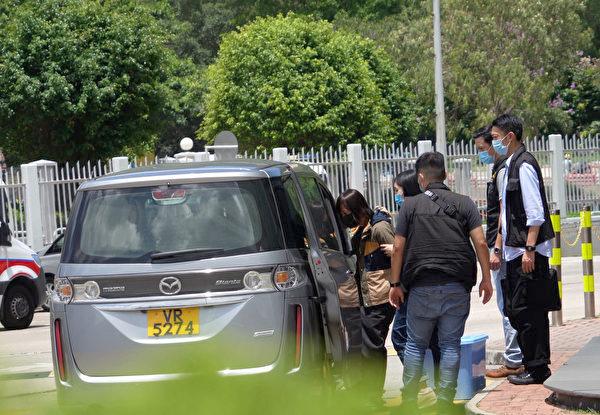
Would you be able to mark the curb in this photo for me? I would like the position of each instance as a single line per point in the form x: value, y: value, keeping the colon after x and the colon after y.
x: 494, y: 357
x: 471, y: 407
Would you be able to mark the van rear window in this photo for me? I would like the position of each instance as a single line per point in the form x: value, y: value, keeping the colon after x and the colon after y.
x: 130, y: 225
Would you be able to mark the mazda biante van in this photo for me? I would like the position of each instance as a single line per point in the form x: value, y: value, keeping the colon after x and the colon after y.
x: 243, y: 256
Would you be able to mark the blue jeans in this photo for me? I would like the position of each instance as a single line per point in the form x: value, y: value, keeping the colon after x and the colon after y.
x: 399, y: 337
x: 512, y: 352
x: 447, y: 307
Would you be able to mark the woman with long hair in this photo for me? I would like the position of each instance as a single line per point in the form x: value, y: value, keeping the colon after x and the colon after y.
x: 371, y: 229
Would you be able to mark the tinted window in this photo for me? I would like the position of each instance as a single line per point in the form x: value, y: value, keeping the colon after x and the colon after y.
x: 321, y: 217
x: 290, y: 210
x: 128, y: 225
x: 57, y: 246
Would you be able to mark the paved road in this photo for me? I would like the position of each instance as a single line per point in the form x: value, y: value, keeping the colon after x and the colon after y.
x: 26, y: 363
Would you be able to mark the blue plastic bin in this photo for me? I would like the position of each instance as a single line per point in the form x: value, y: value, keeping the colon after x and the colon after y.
x: 471, y: 376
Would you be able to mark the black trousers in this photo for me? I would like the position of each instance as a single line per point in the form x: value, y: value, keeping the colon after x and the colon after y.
x: 531, y: 323
x: 367, y: 329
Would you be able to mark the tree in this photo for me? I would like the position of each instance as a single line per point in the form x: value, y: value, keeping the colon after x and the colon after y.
x: 498, y: 56
x: 295, y: 81
x: 578, y: 98
x: 82, y: 79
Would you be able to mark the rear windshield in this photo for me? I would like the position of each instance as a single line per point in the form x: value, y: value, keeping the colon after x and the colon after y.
x: 129, y: 225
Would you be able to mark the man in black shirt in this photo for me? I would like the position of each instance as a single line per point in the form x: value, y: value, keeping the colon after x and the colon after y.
x: 433, y: 260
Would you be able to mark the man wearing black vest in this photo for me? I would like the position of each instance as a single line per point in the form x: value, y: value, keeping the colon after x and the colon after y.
x: 527, y: 244
x: 433, y: 261
x: 487, y: 155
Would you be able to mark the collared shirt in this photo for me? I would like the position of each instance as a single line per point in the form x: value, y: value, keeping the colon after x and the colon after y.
x: 534, y: 209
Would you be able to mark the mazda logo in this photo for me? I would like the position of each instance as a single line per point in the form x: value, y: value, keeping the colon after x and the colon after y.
x: 169, y: 285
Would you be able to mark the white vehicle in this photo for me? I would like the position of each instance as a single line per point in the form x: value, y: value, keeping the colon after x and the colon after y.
x: 22, y: 285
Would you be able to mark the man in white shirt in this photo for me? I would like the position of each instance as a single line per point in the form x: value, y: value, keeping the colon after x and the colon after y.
x: 513, y: 357
x: 527, y: 236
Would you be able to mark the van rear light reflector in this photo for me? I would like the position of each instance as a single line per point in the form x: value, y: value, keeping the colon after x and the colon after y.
x: 298, y: 356
x: 60, y: 358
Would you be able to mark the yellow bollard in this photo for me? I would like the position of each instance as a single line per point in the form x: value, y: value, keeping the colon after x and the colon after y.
x: 587, y: 256
x: 556, y: 262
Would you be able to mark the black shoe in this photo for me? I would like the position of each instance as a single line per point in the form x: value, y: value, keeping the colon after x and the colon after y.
x: 449, y: 408
x: 526, y: 378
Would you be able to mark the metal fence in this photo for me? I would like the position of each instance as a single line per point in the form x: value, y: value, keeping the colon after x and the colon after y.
x: 12, y: 201
x: 58, y: 184
x: 582, y: 172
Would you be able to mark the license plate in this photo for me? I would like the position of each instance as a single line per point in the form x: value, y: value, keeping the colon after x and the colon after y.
x: 173, y: 322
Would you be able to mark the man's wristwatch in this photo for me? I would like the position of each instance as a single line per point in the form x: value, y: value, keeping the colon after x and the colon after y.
x: 396, y: 284
x: 530, y: 248
x: 497, y: 250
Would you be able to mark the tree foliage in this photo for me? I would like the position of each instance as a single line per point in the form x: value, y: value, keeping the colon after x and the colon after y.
x: 498, y: 56
x: 578, y: 98
x: 294, y: 81
x: 81, y: 79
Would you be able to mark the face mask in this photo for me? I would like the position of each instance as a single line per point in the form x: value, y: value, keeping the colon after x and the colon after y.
x: 349, y: 221
x: 499, y: 147
x: 399, y: 199
x: 485, y: 157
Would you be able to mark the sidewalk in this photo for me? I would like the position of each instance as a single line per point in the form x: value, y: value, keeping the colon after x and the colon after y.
x: 504, y: 398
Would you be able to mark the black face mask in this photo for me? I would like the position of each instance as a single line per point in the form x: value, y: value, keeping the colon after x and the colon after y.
x: 349, y: 221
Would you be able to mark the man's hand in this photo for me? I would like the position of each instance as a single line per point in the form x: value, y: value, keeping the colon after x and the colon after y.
x: 396, y: 296
x: 387, y: 249
x: 495, y: 261
x: 486, y: 289
x: 528, y: 262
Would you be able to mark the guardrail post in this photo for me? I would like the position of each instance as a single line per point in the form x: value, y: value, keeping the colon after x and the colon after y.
x: 558, y: 173
x: 33, y: 206
x: 587, y: 256
x: 424, y: 146
x: 119, y: 163
x: 355, y: 170
x: 556, y: 262
x: 462, y: 176
x: 281, y: 154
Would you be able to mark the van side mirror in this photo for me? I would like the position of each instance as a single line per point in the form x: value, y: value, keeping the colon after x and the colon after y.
x: 5, y: 234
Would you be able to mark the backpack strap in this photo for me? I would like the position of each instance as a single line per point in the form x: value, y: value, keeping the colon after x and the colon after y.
x: 448, y: 209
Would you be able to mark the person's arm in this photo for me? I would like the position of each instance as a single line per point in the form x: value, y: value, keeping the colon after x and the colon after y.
x: 396, y: 293
x: 534, y: 209
x: 383, y: 234
x: 481, y: 249
x: 496, y: 259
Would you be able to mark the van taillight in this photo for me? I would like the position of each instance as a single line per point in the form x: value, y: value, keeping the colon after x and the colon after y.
x: 298, y: 335
x: 59, y: 350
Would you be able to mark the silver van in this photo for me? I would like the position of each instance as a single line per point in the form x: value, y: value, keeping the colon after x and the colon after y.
x: 224, y: 255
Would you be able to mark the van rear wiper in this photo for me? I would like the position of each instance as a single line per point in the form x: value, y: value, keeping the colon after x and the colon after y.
x: 185, y: 253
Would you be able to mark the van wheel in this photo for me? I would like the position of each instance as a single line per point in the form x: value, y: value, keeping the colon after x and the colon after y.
x: 17, y: 308
x: 49, y: 290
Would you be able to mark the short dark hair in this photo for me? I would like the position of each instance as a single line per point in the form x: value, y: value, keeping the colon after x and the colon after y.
x: 509, y: 123
x: 431, y: 164
x: 407, y: 180
x: 355, y: 202
x: 485, y: 133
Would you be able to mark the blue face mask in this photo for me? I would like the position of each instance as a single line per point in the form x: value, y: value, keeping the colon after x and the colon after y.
x: 399, y: 199
x: 485, y: 157
x: 499, y: 147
